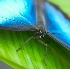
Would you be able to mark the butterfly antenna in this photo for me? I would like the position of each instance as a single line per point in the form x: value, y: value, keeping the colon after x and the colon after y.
x: 24, y: 44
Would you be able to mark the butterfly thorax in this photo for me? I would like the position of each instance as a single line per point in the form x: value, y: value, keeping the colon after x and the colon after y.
x: 39, y: 20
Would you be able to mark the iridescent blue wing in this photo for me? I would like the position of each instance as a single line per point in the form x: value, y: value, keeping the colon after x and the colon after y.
x: 57, y: 25
x: 17, y: 14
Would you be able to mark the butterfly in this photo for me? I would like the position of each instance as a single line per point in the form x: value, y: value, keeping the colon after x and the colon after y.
x: 35, y: 15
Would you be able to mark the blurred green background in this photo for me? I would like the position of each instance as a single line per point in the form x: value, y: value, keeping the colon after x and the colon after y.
x: 32, y: 54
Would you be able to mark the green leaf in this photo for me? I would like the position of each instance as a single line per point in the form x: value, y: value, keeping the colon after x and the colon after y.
x: 32, y: 54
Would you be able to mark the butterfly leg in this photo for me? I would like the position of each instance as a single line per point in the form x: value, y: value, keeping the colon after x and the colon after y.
x: 45, y: 52
x: 45, y: 56
x: 42, y: 42
x: 24, y: 44
x: 55, y: 33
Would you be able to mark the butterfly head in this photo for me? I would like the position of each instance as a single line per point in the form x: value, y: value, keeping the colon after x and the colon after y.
x: 40, y: 34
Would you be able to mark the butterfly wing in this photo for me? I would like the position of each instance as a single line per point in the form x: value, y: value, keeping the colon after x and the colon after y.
x: 17, y: 14
x: 57, y: 25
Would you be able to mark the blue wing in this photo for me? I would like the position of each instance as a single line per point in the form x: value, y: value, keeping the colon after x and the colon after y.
x: 17, y: 14
x: 58, y: 24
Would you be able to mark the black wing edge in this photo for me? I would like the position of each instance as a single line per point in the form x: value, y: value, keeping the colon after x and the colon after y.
x: 58, y: 41
x: 16, y: 29
x: 57, y: 7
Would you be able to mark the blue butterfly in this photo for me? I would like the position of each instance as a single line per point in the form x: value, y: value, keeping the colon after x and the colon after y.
x: 43, y: 18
